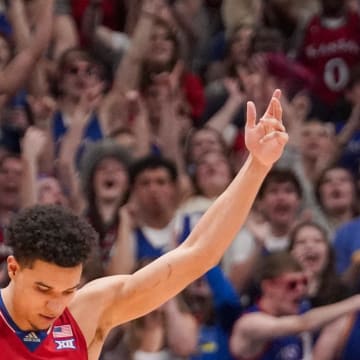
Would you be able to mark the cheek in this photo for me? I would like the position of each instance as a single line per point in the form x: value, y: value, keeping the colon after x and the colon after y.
x: 200, y: 176
x: 97, y: 179
x: 123, y: 178
x: 298, y: 253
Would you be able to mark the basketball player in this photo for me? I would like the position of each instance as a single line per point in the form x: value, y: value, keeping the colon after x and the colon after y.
x: 42, y: 314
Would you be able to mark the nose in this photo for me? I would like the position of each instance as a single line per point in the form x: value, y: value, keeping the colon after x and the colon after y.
x: 54, y: 306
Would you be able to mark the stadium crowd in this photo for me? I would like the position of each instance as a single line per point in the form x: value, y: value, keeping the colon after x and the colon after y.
x: 132, y: 112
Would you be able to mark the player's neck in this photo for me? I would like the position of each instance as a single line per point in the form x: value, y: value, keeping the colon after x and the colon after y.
x: 7, y: 295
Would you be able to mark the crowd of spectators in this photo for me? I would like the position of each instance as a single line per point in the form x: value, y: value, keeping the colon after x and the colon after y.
x: 131, y: 113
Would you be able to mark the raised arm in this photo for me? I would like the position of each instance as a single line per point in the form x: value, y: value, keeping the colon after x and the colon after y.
x: 328, y: 345
x: 119, y: 299
x: 128, y: 73
x: 19, y: 69
x: 32, y: 145
x: 37, y: 82
x: 253, y: 330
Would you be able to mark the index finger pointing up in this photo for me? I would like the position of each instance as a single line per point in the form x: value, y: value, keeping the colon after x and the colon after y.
x: 250, y: 115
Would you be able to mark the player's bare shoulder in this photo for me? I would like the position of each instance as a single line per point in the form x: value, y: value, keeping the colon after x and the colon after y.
x: 90, y: 304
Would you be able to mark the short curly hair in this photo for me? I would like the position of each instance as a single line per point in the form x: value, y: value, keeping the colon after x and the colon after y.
x: 52, y: 234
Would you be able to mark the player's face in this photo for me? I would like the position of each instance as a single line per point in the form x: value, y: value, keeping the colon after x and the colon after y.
x: 40, y: 293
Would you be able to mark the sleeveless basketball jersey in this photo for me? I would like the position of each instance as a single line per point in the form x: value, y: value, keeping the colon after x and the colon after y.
x: 92, y: 133
x: 64, y: 340
x: 330, y: 53
x: 282, y: 348
x: 351, y: 350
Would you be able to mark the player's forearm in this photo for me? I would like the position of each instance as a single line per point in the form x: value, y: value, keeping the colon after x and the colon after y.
x: 219, y: 225
x: 317, y: 318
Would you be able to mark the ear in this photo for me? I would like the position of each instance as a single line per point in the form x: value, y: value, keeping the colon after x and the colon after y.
x: 12, y: 266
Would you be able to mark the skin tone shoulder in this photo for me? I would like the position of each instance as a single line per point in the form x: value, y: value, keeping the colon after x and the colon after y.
x: 107, y: 302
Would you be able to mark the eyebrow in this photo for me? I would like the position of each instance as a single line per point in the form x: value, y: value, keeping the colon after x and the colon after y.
x: 50, y: 287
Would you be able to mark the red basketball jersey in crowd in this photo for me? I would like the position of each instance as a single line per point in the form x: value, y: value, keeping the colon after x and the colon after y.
x: 330, y: 49
x: 63, y: 341
x: 109, y: 10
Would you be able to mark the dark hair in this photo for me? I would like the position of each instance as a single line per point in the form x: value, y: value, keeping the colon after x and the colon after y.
x: 231, y: 67
x: 193, y: 174
x: 320, y: 181
x: 50, y: 233
x: 331, y: 289
x: 152, y: 162
x: 189, y: 138
x: 273, y: 265
x: 94, y: 154
x: 299, y: 226
x: 150, y: 69
x: 79, y: 53
x: 280, y: 176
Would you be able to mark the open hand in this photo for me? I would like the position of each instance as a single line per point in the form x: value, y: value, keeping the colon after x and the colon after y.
x: 266, y: 138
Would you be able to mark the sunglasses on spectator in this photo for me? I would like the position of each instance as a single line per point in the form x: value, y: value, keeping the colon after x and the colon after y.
x: 88, y: 70
x: 292, y: 282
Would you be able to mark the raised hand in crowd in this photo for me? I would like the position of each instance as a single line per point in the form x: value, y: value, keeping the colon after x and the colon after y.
x: 20, y: 67
x: 32, y: 147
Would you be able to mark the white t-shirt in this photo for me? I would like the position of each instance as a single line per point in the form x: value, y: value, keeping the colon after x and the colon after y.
x: 160, y: 355
x: 244, y: 245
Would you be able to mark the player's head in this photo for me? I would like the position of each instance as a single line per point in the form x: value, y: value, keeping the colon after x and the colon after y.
x: 49, y: 233
x: 50, y: 245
